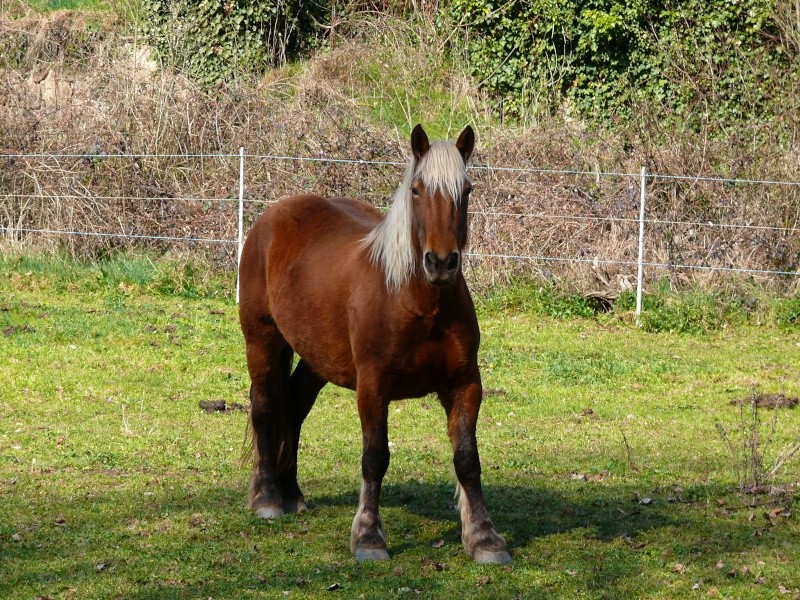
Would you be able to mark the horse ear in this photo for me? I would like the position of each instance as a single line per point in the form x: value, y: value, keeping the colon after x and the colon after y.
x: 419, y: 142
x: 466, y: 143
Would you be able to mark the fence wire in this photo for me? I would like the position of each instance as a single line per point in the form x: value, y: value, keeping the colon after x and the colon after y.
x: 10, y: 231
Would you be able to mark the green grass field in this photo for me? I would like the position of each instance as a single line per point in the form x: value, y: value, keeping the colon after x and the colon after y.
x: 603, y: 466
x: 48, y: 5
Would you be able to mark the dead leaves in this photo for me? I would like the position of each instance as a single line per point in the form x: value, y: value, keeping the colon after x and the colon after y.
x: 197, y: 520
x: 103, y: 566
x: 636, y: 545
x: 674, y: 495
x: 589, y: 478
x: 427, y: 563
x: 744, y: 572
x: 776, y: 515
x: 680, y: 568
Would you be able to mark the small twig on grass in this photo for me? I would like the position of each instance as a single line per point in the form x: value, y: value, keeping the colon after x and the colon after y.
x: 628, y: 452
x: 125, y: 426
x: 785, y: 456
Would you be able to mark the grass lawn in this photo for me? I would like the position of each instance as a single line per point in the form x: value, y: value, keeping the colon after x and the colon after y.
x: 48, y: 5
x: 603, y: 466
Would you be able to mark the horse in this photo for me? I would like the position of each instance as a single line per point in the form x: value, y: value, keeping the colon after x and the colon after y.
x: 376, y: 304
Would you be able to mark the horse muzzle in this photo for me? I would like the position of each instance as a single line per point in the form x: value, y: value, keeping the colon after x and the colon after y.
x: 441, y: 270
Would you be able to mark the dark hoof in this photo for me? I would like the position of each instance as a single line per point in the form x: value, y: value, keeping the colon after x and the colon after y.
x: 269, y: 512
x: 371, y: 554
x: 492, y: 557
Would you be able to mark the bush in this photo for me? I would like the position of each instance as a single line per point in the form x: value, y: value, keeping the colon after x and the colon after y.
x: 539, y: 297
x: 211, y: 40
x: 703, y: 61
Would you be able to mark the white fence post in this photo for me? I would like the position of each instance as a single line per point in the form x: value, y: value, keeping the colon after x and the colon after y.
x: 241, y: 218
x: 639, y: 271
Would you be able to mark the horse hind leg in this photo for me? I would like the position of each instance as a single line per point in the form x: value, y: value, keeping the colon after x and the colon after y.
x: 304, y: 387
x: 269, y: 360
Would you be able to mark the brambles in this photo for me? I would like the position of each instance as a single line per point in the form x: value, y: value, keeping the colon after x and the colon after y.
x: 214, y: 40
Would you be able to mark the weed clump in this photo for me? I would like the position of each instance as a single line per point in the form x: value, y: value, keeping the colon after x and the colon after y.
x: 750, y: 445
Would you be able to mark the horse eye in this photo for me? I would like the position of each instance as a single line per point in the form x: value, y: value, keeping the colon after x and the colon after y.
x: 414, y: 191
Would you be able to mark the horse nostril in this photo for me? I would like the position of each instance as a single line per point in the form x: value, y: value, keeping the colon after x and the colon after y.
x: 452, y: 261
x: 430, y: 261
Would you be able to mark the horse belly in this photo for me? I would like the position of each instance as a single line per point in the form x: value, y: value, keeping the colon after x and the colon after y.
x: 332, y: 360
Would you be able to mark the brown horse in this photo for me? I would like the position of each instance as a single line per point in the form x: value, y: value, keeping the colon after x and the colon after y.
x: 375, y: 304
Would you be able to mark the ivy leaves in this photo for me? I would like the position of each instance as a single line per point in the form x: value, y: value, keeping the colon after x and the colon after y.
x: 714, y: 59
x: 212, y: 40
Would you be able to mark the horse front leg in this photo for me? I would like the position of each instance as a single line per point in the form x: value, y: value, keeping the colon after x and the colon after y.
x: 367, y: 540
x: 478, y: 535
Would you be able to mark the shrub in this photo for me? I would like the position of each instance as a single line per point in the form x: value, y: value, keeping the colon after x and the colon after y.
x: 211, y: 40
x: 702, y: 61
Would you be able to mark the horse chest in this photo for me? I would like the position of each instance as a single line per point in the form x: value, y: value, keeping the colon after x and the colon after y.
x: 431, y: 354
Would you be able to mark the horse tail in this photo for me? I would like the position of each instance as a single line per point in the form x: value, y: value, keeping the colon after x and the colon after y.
x: 248, y: 452
x: 283, y: 440
x: 281, y: 423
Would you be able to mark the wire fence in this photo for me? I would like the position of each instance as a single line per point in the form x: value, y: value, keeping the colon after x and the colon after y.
x: 229, y: 230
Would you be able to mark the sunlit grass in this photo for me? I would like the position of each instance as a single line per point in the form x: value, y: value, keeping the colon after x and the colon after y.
x: 49, y: 5
x: 602, y: 465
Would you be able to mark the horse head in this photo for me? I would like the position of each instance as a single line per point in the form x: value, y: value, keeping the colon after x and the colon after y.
x: 439, y: 192
x: 425, y: 228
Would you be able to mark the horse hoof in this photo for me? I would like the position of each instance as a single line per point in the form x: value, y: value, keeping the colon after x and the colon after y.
x: 492, y: 557
x: 371, y: 554
x: 269, y: 512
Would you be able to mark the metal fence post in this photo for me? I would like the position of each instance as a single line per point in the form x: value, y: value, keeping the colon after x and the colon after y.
x: 241, y: 218
x: 640, y: 262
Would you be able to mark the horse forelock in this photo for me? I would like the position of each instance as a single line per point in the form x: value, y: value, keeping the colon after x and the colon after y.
x: 391, y: 244
x: 442, y: 169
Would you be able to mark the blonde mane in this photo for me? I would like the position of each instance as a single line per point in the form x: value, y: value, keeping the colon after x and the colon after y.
x: 391, y: 245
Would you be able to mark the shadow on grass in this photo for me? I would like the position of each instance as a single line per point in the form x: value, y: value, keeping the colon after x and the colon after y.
x: 156, y: 546
x: 526, y: 513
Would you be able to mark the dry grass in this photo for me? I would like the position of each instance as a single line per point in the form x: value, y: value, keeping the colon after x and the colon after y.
x: 750, y: 446
x: 79, y: 89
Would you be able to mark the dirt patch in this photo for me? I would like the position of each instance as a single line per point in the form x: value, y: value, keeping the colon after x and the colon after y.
x: 215, y: 406
x: 15, y: 329
x: 768, y: 401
